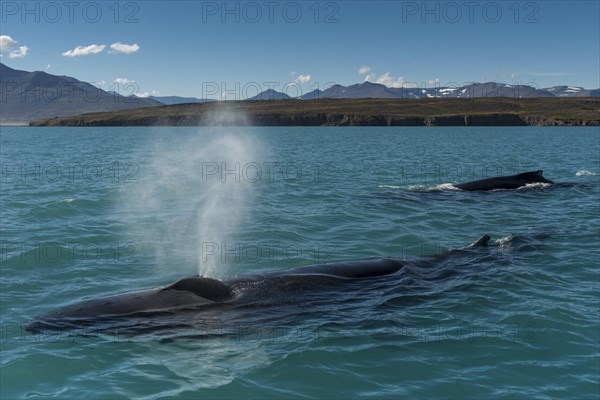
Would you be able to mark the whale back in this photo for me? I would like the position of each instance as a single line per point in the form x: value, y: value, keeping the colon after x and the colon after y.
x: 367, y: 268
x: 505, y: 182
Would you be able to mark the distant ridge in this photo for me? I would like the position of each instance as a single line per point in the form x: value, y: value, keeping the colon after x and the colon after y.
x: 490, y: 111
x: 25, y: 96
x: 371, y: 90
x: 170, y: 100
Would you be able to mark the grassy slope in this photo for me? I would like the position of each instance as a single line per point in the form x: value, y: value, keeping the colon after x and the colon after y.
x: 345, y: 112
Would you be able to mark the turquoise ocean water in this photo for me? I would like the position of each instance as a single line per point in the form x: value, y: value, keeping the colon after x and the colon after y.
x: 97, y: 211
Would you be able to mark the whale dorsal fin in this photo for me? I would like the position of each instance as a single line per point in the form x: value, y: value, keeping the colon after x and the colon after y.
x: 207, y: 288
x: 537, y: 174
x: 534, y: 176
x: 481, y: 242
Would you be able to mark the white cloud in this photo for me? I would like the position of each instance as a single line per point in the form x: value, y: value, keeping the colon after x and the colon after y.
x: 6, y: 43
x: 124, y: 48
x: 20, y: 52
x: 84, y: 51
x: 303, y: 78
x: 48, y: 66
x: 101, y: 83
x: 148, y: 94
x: 123, y: 81
x: 387, y: 80
x: 433, y: 81
x: 513, y: 77
x: 545, y: 74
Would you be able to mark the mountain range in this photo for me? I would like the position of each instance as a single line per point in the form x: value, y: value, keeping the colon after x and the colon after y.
x: 473, y: 90
x: 25, y: 96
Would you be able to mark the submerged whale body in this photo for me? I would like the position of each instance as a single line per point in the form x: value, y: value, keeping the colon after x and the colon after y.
x: 505, y: 182
x: 190, y: 297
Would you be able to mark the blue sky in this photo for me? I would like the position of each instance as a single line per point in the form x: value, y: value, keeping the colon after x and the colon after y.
x: 205, y: 48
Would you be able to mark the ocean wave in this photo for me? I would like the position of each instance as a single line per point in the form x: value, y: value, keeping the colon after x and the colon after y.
x: 505, y: 241
x: 446, y: 186
x: 535, y: 185
x: 584, y: 172
x: 389, y: 187
x: 422, y: 187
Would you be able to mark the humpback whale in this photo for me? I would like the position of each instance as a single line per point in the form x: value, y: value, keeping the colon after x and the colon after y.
x: 196, y: 297
x: 505, y: 182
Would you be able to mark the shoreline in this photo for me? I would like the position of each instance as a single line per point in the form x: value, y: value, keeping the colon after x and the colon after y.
x: 15, y: 123
x: 583, y: 111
